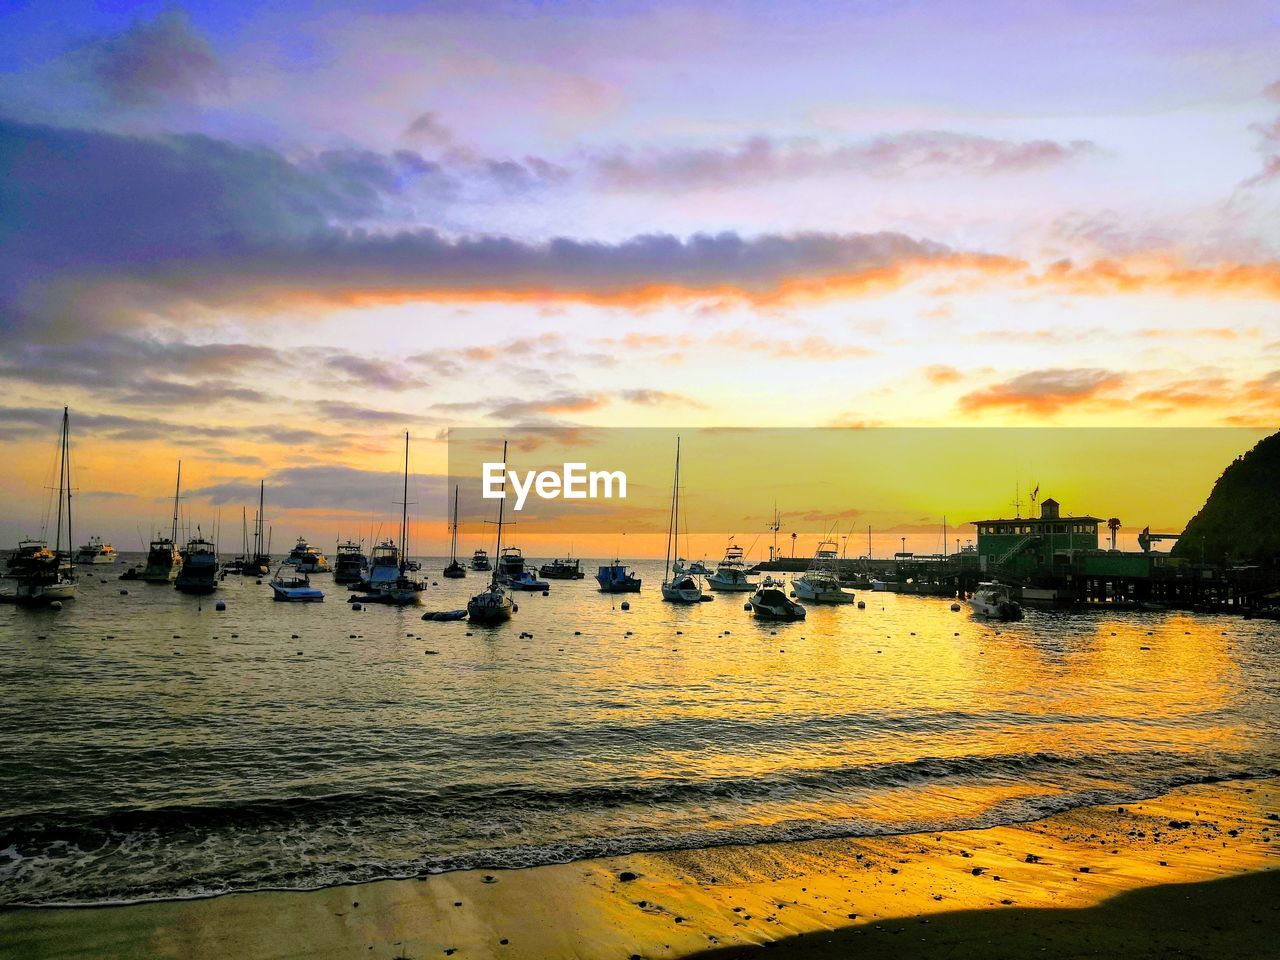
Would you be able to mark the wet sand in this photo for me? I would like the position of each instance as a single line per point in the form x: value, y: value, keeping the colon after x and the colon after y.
x: 1191, y: 872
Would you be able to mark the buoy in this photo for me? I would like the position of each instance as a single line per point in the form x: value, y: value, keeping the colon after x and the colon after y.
x: 745, y: 606
x: 124, y: 593
x: 220, y: 605
x: 577, y: 633
x: 626, y: 605
x: 56, y: 605
x: 862, y: 604
x: 955, y: 607
x: 356, y: 606
x: 546, y: 593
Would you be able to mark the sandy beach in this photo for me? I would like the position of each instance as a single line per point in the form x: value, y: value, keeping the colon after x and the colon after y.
x: 1192, y: 871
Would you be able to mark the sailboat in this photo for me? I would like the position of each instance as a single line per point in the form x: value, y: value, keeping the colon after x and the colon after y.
x: 164, y: 562
x: 43, y: 576
x: 677, y: 587
x: 404, y: 590
x: 259, y: 565
x: 494, y: 604
x: 455, y: 570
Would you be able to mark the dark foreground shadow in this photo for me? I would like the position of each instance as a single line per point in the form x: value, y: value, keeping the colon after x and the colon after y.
x: 1238, y: 917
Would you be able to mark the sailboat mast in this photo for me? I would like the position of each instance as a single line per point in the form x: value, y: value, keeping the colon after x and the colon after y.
x: 404, y: 503
x: 63, y: 488
x: 177, y: 491
x: 502, y: 500
x: 453, y: 547
x: 262, y: 486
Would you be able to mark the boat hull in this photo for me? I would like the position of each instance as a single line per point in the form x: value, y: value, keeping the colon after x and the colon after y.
x: 809, y: 593
x: 729, y: 586
x: 681, y: 594
x: 490, y: 608
x: 455, y: 571
x: 297, y: 594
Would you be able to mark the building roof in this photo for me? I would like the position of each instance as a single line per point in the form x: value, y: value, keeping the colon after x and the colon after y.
x: 1061, y: 519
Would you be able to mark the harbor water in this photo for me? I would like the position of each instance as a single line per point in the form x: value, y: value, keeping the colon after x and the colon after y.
x: 155, y: 747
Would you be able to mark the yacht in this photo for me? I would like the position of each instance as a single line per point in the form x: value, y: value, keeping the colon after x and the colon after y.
x: 44, y: 576
x: 164, y: 561
x: 770, y: 602
x: 493, y: 604
x: 384, y: 565
x: 480, y: 561
x: 731, y: 573
x: 992, y: 600
x: 294, y: 587
x: 199, y: 572
x: 510, y: 563
x: 697, y: 568
x: 528, y: 582
x: 96, y: 552
x: 454, y: 570
x: 677, y: 586
x: 307, y: 558
x: 562, y: 569
x: 821, y: 582
x: 616, y: 578
x: 350, y: 564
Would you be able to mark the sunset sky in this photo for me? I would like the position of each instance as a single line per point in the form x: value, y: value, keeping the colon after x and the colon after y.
x: 269, y: 238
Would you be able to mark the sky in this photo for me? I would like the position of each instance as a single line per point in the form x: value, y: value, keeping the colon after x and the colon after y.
x: 268, y: 239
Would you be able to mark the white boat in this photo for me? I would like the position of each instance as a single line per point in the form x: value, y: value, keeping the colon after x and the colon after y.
x: 95, y: 552
x: 992, y: 600
x: 480, y: 561
x: 494, y: 604
x: 307, y: 559
x: 294, y: 587
x: 770, y: 602
x: 384, y: 565
x: 45, y: 576
x: 731, y: 573
x: 677, y: 586
x: 821, y: 582
x: 695, y: 568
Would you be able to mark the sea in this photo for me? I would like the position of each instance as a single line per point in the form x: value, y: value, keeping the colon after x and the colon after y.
x: 155, y: 747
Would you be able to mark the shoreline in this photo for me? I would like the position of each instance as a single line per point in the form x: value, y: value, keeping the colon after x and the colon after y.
x: 803, y: 895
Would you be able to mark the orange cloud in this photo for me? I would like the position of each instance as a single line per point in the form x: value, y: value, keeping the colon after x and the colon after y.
x: 1043, y: 391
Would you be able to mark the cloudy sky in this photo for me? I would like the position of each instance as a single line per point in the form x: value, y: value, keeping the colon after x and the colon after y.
x: 269, y: 238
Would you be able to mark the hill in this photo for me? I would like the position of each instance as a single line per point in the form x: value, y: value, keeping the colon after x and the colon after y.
x: 1241, y: 518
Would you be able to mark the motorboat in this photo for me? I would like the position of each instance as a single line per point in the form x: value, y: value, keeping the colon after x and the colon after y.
x: 993, y: 601
x: 294, y: 587
x: 510, y: 563
x: 695, y: 568
x: 349, y: 562
x: 562, y: 569
x: 480, y: 561
x: 770, y: 602
x: 29, y: 553
x: 677, y: 586
x: 402, y: 590
x: 820, y: 583
x: 528, y: 582
x: 493, y: 604
x: 95, y: 552
x: 616, y: 578
x: 454, y: 570
x: 731, y: 573
x: 307, y: 559
x: 199, y: 573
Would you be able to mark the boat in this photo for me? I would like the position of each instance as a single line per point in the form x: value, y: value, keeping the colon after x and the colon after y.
x: 403, y: 590
x: 510, y: 563
x: 992, y: 600
x: 770, y: 602
x: 199, y: 572
x: 384, y: 565
x: 731, y: 572
x: 677, y: 586
x: 164, y: 561
x: 528, y: 582
x: 350, y: 564
x: 95, y: 552
x: 45, y: 576
x: 480, y: 561
x: 615, y: 578
x: 820, y: 583
x: 307, y: 558
x: 257, y: 563
x: 454, y: 570
x: 295, y: 587
x: 494, y: 604
x: 562, y: 569
x: 697, y: 568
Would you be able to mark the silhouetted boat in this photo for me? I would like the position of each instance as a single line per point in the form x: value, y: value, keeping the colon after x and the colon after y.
x: 164, y: 562
x: 44, y: 576
x: 454, y: 570
x: 199, y: 572
x: 494, y: 604
x: 616, y: 578
x: 350, y: 564
x: 562, y: 569
x: 677, y: 587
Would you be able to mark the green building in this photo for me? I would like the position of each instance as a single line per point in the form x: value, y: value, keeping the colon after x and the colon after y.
x: 1028, y: 543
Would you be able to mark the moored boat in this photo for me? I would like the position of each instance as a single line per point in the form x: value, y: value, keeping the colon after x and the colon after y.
x: 731, y: 573
x: 95, y: 552
x: 616, y: 578
x: 46, y: 576
x: 820, y: 583
x: 402, y: 590
x: 528, y: 582
x: 350, y: 564
x: 494, y: 605
x: 993, y: 601
x: 770, y: 602
x: 480, y: 561
x: 677, y: 586
x: 566, y: 568
x: 293, y: 587
x: 307, y: 559
x: 454, y: 570
x: 510, y: 563
x: 199, y: 573
x: 164, y: 561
